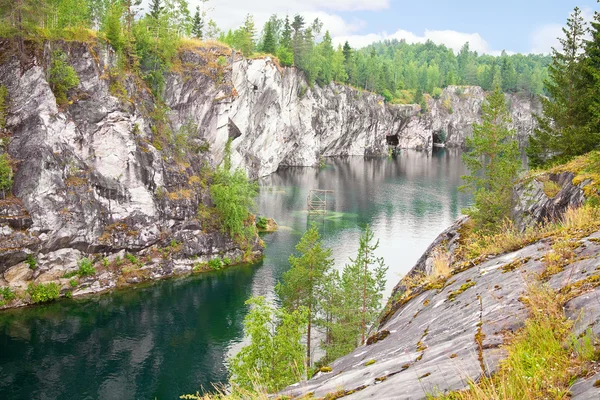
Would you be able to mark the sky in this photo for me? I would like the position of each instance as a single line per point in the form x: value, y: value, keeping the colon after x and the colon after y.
x: 517, y: 26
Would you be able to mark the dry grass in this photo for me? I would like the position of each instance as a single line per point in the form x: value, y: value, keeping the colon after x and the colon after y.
x: 551, y: 188
x: 543, y: 357
x: 222, y: 394
x: 575, y: 223
x: 441, y: 264
x: 195, y: 44
x: 561, y: 254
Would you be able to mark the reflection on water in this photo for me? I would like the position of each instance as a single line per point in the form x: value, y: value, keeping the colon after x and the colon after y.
x: 408, y: 200
x: 171, y: 337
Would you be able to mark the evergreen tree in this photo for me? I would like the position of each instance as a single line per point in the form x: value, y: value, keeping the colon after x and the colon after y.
x: 269, y: 44
x: 563, y: 130
x: 156, y: 8
x: 493, y: 161
x: 274, y: 357
x: 362, y: 284
x: 347, y: 51
x: 284, y: 51
x: 592, y: 69
x: 325, y: 59
x: 302, y: 284
x: 197, y: 24
x: 286, y: 34
x: 112, y: 26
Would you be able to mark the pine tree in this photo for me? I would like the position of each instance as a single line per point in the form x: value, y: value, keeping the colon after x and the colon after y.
x: 592, y: 69
x: 362, y: 283
x: 197, y: 24
x: 562, y: 131
x: 156, y: 8
x: 284, y: 52
x: 493, y: 162
x: 301, y: 285
x: 347, y: 51
x: 269, y: 44
x: 274, y: 357
x: 112, y: 26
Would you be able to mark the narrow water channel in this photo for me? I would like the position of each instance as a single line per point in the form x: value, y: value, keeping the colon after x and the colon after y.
x: 168, y: 338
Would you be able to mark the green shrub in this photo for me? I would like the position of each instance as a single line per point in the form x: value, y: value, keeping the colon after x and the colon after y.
x: 86, y: 267
x: 73, y: 282
x: 261, y: 223
x: 62, y: 77
x: 7, y: 295
x: 41, y: 293
x: 437, y: 92
x: 387, y: 95
x: 441, y: 136
x: 133, y: 259
x: 221, y: 61
x: 3, y: 106
x: 302, y: 91
x: 31, y: 261
x: 226, y: 261
x: 215, y: 264
x: 6, y: 174
x: 233, y: 195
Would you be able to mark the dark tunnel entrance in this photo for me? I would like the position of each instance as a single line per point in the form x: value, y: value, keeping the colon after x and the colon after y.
x: 392, y: 140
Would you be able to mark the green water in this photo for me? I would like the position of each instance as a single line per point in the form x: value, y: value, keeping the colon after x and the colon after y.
x: 172, y: 337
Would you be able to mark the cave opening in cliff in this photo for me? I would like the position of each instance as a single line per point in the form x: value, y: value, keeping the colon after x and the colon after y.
x: 392, y: 140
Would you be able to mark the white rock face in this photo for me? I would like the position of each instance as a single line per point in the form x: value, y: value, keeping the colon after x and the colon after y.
x: 100, y: 174
x: 276, y: 120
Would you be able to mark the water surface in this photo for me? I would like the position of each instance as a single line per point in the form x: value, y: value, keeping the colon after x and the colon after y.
x: 172, y: 337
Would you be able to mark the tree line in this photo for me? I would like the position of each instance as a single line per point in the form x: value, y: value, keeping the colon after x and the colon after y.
x: 393, y: 68
x: 397, y: 70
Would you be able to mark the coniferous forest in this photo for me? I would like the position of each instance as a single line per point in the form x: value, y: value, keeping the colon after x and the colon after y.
x: 148, y: 40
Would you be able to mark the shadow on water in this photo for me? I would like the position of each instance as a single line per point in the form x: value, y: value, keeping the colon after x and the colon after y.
x: 171, y: 337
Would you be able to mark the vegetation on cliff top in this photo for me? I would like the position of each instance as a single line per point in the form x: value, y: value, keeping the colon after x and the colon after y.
x: 397, y: 70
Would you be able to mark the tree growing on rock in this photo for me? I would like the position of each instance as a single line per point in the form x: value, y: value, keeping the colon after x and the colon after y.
x: 493, y: 161
x: 353, y: 299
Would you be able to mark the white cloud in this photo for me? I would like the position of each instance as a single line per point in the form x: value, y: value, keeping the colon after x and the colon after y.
x: 451, y: 39
x: 230, y: 14
x: 545, y: 37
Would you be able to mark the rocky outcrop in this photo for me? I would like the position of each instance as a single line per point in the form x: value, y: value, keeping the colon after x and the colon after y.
x: 100, y: 176
x: 276, y: 120
x: 434, y: 339
x: 546, y: 197
x: 449, y: 119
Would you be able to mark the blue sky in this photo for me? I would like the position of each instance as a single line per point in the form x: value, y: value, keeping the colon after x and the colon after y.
x: 508, y: 24
x: 490, y: 26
